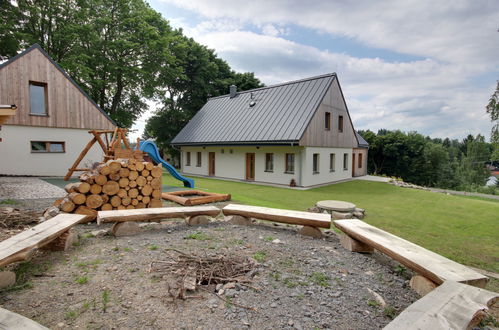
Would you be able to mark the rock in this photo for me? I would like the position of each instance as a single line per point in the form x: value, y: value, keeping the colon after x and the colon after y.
x: 273, y: 305
x: 314, y: 209
x: 340, y: 215
x: 99, y: 233
x: 7, y: 279
x: 51, y: 212
x: 277, y: 241
x: 218, y: 287
x: 230, y: 285
x: 358, y: 215
x: 378, y: 298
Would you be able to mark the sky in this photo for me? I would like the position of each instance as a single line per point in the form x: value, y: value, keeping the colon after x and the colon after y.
x: 415, y: 65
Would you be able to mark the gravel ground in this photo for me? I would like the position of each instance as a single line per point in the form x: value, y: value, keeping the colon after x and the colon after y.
x: 28, y: 188
x: 303, y: 283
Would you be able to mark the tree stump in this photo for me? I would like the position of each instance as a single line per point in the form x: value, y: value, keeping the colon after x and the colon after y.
x: 127, y: 228
x: 355, y: 246
x: 311, y: 231
x: 197, y: 220
x: 238, y: 220
x: 62, y: 243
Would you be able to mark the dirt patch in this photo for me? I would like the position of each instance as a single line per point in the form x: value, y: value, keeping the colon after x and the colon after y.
x: 297, y: 282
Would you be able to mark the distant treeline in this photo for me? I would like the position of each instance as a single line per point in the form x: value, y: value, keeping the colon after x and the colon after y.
x: 442, y: 163
x: 123, y: 54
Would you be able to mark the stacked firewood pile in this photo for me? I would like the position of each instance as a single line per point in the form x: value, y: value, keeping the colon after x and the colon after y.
x: 114, y: 185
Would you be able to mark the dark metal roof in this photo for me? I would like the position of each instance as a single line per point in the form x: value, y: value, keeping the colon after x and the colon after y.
x: 280, y: 115
x: 37, y: 46
x: 362, y: 143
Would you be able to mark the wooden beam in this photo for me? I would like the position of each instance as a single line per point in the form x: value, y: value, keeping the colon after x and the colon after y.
x: 20, y: 246
x: 97, y: 136
x: 80, y: 157
x: 450, y: 306
x: 11, y: 320
x: 424, y: 262
x: 154, y: 214
x: 320, y: 220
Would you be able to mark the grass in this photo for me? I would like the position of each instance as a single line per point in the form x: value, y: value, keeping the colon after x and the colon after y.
x: 9, y: 202
x: 460, y: 228
x: 199, y: 235
x: 82, y: 280
x: 260, y: 256
x: 320, y: 279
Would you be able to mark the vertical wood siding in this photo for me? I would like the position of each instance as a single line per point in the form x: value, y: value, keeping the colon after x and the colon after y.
x: 67, y: 107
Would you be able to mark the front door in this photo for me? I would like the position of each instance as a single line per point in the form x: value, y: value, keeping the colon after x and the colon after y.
x: 211, y: 164
x: 250, y: 167
x: 353, y: 164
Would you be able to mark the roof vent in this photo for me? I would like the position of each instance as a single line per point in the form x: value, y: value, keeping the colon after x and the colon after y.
x: 233, y: 91
x: 252, y: 103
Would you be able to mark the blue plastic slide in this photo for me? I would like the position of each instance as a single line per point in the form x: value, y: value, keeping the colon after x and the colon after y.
x: 152, y: 149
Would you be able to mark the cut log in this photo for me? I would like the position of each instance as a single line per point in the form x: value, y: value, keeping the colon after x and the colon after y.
x: 149, y: 178
x: 130, y: 207
x: 106, y: 207
x: 133, y: 193
x: 319, y: 220
x: 104, y: 169
x: 122, y: 193
x: 105, y: 198
x: 85, y: 210
x: 121, y: 207
x: 94, y: 201
x: 132, y: 167
x: 149, y: 166
x: 126, y: 201
x: 156, y: 183
x: 197, y: 220
x: 62, y: 243
x: 81, y: 187
x: 67, y: 205
x: 156, y: 213
x: 238, y: 220
x: 424, y: 262
x: 145, y: 173
x: 135, y: 201
x: 114, y: 166
x: 146, y: 190
x: 100, y: 179
x: 11, y: 320
x: 353, y: 245
x: 133, y: 175
x: 155, y: 203
x: 141, y: 181
x: 88, y: 177
x: 77, y: 198
x: 123, y: 182
x: 132, y: 184
x: 111, y: 188
x: 19, y: 247
x: 139, y: 197
x: 139, y: 166
x: 58, y: 202
x: 7, y: 279
x: 450, y: 306
x: 140, y: 205
x: 114, y: 176
x: 115, y: 201
x: 124, y: 172
x: 125, y: 229
x: 156, y: 193
x: 146, y: 199
x: 422, y: 285
x: 95, y: 189
x: 157, y: 172
x: 311, y: 232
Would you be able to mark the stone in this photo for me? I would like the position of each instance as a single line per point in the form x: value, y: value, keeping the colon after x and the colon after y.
x: 339, y: 206
x: 422, y: 285
x: 358, y: 215
x: 230, y: 285
x: 99, y: 233
x: 238, y: 220
x: 314, y: 209
x: 353, y: 245
x: 311, y: 231
x: 340, y: 215
x: 127, y: 228
x: 357, y: 209
x: 7, y: 278
x: 51, y: 212
x: 197, y: 220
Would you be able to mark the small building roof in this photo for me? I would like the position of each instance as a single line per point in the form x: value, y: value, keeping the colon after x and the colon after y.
x: 277, y: 114
x: 362, y: 142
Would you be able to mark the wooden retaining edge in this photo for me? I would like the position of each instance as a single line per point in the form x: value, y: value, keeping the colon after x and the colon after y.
x: 177, y: 197
x: 11, y: 320
x: 155, y: 214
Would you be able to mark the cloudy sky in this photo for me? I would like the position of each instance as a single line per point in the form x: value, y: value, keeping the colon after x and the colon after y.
x: 421, y: 65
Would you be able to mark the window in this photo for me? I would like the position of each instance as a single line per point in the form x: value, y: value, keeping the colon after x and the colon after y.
x: 345, y: 161
x: 332, y: 161
x: 340, y: 124
x: 38, y: 98
x: 45, y: 146
x: 360, y: 160
x: 315, y: 163
x: 198, y: 160
x: 188, y: 158
x: 327, y: 121
x: 269, y: 162
x: 290, y: 163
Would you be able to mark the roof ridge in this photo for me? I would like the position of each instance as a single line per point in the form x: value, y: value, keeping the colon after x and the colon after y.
x: 278, y: 85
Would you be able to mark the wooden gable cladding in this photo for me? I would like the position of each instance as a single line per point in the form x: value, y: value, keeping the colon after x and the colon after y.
x: 316, y: 134
x: 67, y: 105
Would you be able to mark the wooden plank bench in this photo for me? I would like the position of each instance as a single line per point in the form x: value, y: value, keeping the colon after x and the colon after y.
x: 431, y: 266
x: 125, y: 220
x: 11, y: 320
x: 309, y: 220
x: 450, y: 306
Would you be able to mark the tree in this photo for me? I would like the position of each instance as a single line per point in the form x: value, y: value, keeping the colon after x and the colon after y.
x: 493, y: 111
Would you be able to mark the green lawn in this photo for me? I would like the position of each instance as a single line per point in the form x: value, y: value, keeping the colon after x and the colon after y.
x: 460, y: 228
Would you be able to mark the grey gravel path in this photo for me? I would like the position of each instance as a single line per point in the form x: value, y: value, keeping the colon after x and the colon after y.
x: 28, y: 188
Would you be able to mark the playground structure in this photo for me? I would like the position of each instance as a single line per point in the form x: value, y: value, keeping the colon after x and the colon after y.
x: 7, y: 111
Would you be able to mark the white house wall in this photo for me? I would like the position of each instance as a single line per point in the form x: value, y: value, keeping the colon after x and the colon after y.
x: 233, y: 166
x: 325, y: 175
x: 17, y: 158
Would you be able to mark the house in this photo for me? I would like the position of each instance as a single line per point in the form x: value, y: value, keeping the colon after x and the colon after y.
x: 298, y: 132
x: 52, y: 120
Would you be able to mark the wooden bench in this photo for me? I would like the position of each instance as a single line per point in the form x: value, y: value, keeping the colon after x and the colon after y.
x: 11, y: 320
x: 450, y: 306
x: 125, y: 220
x: 433, y: 268
x: 240, y: 214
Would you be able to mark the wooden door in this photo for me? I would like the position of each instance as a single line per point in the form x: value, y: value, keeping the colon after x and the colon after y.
x: 250, y: 167
x: 211, y: 163
x: 353, y: 164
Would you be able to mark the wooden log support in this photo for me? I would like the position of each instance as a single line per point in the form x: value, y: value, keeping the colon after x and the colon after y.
x: 62, y: 243
x: 318, y: 220
x: 450, y: 306
x: 155, y: 214
x: 311, y: 232
x: 197, y: 220
x: 11, y: 320
x: 424, y: 262
x: 353, y: 245
x: 7, y: 278
x: 127, y: 228
x: 182, y: 197
x: 422, y: 285
x: 238, y: 220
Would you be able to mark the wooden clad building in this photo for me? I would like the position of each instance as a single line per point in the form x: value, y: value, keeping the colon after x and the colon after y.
x: 53, y: 117
x: 298, y: 132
